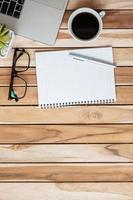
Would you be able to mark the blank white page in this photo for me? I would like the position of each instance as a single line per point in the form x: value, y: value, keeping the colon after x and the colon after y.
x: 65, y: 81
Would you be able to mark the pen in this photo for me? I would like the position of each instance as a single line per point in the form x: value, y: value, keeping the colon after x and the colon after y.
x: 91, y: 60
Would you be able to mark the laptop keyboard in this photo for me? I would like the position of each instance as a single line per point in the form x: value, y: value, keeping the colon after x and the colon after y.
x: 11, y: 7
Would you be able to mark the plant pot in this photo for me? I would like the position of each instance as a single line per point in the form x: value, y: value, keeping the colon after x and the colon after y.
x: 5, y: 51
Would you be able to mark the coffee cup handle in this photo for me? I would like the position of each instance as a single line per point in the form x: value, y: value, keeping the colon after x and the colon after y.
x: 102, y: 14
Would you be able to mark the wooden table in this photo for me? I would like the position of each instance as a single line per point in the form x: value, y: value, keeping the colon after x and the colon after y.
x: 71, y: 153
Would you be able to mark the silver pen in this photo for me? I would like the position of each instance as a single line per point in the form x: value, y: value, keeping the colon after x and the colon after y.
x: 83, y: 58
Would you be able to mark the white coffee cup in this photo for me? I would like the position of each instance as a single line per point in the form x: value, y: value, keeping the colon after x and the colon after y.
x: 97, y: 15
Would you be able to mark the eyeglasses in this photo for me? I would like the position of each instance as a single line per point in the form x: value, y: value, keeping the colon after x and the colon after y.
x: 15, y: 91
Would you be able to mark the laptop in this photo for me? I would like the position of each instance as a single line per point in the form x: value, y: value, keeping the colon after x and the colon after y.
x: 36, y: 19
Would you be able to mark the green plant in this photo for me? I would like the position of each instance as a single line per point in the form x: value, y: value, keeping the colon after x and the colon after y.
x: 4, y: 37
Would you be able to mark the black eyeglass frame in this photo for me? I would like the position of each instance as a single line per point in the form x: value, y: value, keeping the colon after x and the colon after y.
x: 15, y: 73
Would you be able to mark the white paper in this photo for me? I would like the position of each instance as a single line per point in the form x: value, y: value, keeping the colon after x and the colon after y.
x: 64, y: 80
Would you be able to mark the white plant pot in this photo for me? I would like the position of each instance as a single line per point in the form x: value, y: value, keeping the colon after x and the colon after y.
x: 5, y: 51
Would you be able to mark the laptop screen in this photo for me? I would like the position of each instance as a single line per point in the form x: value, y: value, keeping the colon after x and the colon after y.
x: 58, y: 4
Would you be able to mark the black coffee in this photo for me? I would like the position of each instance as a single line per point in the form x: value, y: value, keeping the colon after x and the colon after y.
x: 85, y: 26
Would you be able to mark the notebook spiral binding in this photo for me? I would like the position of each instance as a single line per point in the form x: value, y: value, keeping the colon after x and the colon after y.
x: 60, y: 105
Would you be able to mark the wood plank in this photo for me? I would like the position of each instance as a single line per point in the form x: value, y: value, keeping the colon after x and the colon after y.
x: 92, y: 153
x: 122, y: 57
x: 67, y: 134
x: 71, y: 191
x: 66, y: 172
x: 30, y: 98
x: 29, y: 76
x: 74, y: 115
x: 109, y: 37
x: 113, y: 19
x: 124, y: 96
x: 101, y: 4
x: 124, y: 76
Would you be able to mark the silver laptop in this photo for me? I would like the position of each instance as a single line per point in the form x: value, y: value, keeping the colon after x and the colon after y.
x: 36, y: 19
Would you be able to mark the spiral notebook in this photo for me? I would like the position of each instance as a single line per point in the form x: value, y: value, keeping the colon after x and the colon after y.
x: 64, y: 81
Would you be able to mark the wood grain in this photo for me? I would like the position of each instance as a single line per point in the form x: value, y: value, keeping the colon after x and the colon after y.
x: 29, y: 76
x: 124, y: 96
x: 122, y: 57
x: 123, y: 76
x: 113, y: 19
x: 71, y: 115
x: 72, y: 191
x: 71, y: 153
x: 101, y: 4
x: 95, y: 153
x: 109, y: 37
x: 66, y: 172
x: 68, y: 134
